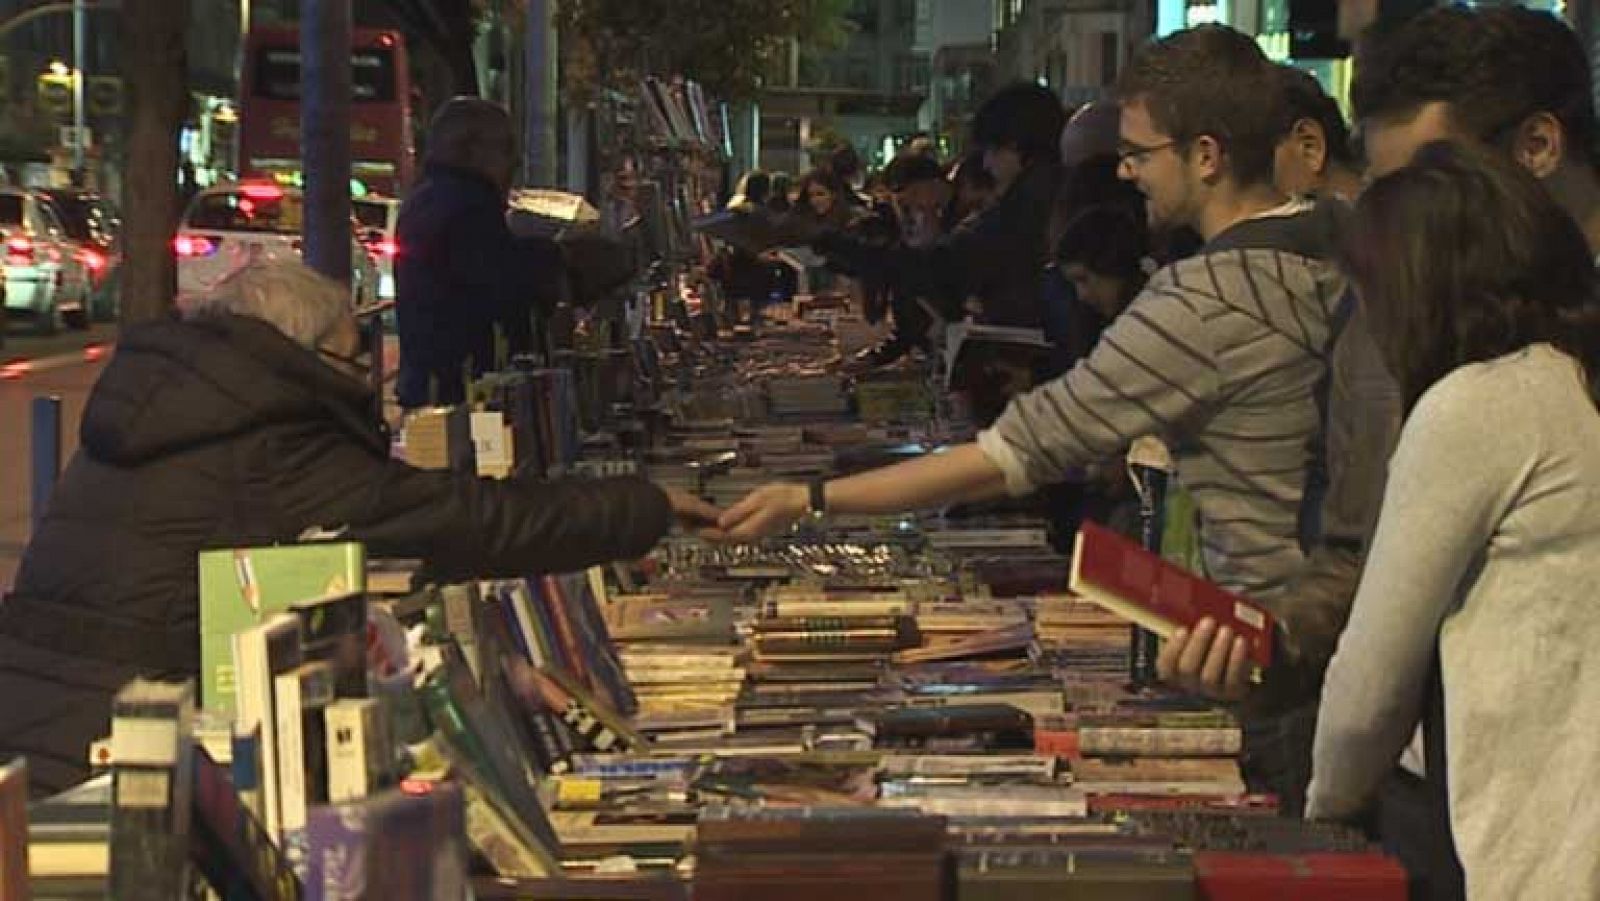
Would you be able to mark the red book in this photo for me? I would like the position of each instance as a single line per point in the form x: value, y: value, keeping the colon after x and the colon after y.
x: 577, y: 656
x: 1304, y: 877
x: 1141, y: 587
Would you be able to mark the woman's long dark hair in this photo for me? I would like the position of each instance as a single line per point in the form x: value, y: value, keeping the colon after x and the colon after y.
x: 1463, y: 256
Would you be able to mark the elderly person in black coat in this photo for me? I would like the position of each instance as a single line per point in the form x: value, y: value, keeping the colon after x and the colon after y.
x: 248, y: 422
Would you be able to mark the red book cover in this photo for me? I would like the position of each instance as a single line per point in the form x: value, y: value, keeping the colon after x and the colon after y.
x: 1304, y: 877
x: 14, y: 831
x: 1140, y: 586
x: 556, y: 599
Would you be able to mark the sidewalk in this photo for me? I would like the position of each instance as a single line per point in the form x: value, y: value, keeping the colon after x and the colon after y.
x: 69, y: 376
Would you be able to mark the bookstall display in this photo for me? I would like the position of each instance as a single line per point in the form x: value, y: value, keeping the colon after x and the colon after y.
x: 906, y: 707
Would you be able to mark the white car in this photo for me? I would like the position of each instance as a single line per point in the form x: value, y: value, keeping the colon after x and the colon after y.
x: 227, y: 226
x: 46, y: 280
x: 377, y: 217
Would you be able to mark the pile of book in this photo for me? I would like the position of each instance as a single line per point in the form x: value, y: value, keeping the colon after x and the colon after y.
x: 893, y: 396
x: 807, y: 395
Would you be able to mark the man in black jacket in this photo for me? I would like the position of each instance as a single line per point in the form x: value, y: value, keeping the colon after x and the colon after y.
x: 999, y: 255
x: 248, y: 423
x: 460, y: 273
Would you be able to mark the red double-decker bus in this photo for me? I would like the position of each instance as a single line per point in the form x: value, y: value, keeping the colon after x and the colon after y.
x: 382, y: 153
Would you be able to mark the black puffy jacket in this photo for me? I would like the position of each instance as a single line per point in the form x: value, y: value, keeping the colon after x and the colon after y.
x: 224, y: 433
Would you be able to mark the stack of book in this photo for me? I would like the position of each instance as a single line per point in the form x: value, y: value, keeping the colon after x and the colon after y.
x: 807, y: 395
x: 818, y: 852
x: 684, y: 691
x: 896, y: 396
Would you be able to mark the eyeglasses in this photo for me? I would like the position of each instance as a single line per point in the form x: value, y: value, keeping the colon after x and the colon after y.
x: 359, y: 365
x: 1134, y: 155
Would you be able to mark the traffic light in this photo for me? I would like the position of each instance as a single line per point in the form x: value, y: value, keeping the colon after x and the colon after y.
x: 103, y: 96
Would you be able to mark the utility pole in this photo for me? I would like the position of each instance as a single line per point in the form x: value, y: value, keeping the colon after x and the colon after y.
x: 325, y: 134
x: 80, y: 64
x: 539, y: 144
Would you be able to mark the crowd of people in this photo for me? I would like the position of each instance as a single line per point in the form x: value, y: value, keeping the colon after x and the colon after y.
x: 1377, y: 376
x: 1376, y: 368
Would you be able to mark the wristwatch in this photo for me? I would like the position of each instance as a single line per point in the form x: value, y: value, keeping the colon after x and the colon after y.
x: 817, y: 498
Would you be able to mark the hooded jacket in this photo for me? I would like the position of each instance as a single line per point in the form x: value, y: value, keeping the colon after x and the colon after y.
x: 221, y: 432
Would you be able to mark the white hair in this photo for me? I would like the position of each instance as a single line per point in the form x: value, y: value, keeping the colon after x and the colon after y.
x: 296, y: 300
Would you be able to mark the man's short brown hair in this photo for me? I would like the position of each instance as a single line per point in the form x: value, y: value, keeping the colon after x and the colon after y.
x: 1211, y: 81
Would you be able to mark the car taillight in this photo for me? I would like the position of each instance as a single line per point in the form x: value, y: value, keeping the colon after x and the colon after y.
x: 94, y: 261
x: 193, y: 246
x: 19, y: 251
x: 385, y: 249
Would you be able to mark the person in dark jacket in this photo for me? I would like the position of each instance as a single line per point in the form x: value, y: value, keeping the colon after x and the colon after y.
x: 460, y: 274
x: 998, y: 255
x: 248, y: 423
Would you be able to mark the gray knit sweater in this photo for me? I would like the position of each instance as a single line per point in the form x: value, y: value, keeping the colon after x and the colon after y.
x: 1220, y: 356
x: 1489, y: 543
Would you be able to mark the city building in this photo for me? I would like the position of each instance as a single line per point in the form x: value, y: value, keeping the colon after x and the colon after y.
x: 1075, y: 47
x: 957, y: 36
x: 866, y: 92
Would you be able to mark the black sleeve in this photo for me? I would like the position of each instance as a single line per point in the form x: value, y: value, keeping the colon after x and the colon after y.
x: 465, y: 527
x: 945, y: 272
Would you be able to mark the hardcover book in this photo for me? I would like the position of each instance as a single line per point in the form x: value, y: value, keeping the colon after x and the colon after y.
x: 152, y: 790
x: 1159, y: 596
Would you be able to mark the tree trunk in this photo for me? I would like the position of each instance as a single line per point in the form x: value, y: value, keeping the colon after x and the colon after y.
x: 325, y: 134
x: 156, y: 68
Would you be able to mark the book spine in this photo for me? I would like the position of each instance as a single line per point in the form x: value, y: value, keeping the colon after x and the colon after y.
x: 245, y: 767
x: 300, y: 696
x: 827, y: 624
x: 575, y: 661
x: 152, y: 794
x: 357, y: 748
x: 612, y: 683
x: 1142, y: 742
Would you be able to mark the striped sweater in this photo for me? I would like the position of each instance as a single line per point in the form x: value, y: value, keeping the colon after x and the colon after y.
x: 1221, y: 356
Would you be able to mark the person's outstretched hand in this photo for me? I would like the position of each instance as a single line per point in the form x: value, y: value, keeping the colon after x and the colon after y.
x: 695, y: 515
x: 765, y: 512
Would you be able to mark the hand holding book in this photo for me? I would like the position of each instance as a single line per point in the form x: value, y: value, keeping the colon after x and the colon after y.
x: 1211, y: 661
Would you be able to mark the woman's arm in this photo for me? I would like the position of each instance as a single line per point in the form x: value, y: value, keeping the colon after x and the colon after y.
x: 1452, y: 479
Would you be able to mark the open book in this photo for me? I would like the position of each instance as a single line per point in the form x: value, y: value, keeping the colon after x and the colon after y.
x: 968, y: 343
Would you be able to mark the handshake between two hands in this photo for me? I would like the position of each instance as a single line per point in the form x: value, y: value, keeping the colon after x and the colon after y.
x: 767, y: 511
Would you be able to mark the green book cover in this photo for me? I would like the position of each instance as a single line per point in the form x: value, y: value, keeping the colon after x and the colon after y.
x: 241, y: 587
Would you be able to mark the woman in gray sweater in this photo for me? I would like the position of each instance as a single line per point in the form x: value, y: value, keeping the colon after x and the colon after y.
x: 1483, y: 297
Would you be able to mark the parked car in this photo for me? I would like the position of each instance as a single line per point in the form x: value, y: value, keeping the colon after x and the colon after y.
x: 46, y: 280
x: 376, y: 217
x: 229, y: 225
x: 94, y: 224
